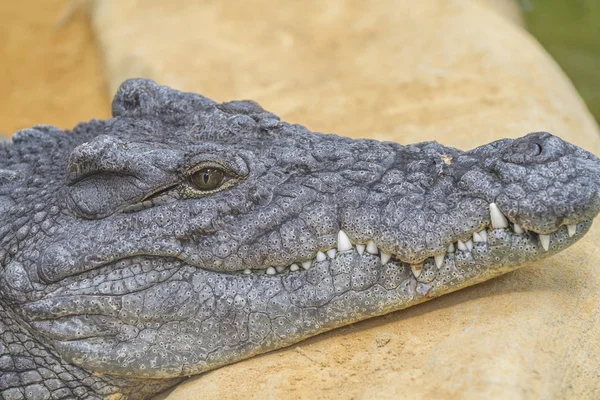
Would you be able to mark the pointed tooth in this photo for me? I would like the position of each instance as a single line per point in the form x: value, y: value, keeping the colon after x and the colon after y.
x: 477, y: 237
x: 451, y: 248
x: 499, y: 221
x: 439, y: 260
x: 518, y: 230
x: 372, y: 247
x: 271, y: 271
x: 306, y: 264
x: 247, y: 271
x: 294, y: 267
x: 280, y: 268
x: 385, y: 258
x: 545, y: 241
x: 469, y: 244
x: 416, y: 269
x: 321, y: 256
x: 483, y: 235
x: 462, y: 246
x: 360, y: 248
x: 571, y: 229
x: 344, y: 243
x: 331, y: 253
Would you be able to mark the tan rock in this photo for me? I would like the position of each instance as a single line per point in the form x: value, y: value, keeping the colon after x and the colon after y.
x: 452, y: 71
x: 508, y: 9
x: 50, y: 71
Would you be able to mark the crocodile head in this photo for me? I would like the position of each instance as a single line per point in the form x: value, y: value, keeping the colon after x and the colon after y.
x: 182, y: 234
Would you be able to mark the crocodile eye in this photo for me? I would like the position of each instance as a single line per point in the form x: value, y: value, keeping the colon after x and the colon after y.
x: 207, y: 179
x: 535, y: 149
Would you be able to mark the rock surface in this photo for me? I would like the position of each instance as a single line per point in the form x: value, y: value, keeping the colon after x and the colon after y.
x: 453, y: 71
x: 50, y: 71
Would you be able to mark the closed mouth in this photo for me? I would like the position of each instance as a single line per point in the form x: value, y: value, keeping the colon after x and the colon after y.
x: 494, y: 246
x: 477, y: 243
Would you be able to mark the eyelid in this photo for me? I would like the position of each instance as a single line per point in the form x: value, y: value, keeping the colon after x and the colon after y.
x: 210, y: 164
x: 206, y: 155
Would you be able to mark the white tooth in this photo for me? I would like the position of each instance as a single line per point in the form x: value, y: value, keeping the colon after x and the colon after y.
x: 477, y: 238
x: 321, y: 256
x: 571, y: 229
x: 331, y: 253
x: 469, y: 244
x: 439, y: 260
x: 280, y: 269
x: 294, y: 267
x: 271, y: 271
x: 344, y: 243
x: 498, y: 219
x: 306, y: 264
x: 545, y: 241
x: 360, y: 248
x: 385, y: 258
x: 483, y: 235
x: 518, y: 229
x: 416, y: 269
x: 247, y: 271
x: 371, y: 247
x: 451, y: 248
x: 462, y: 246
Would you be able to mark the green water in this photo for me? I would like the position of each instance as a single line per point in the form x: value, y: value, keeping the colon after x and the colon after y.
x: 570, y: 31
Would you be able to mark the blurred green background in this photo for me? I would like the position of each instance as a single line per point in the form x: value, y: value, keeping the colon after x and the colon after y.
x: 570, y: 32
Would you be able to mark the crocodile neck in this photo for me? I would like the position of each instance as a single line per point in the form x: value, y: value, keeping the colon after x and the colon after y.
x: 30, y: 370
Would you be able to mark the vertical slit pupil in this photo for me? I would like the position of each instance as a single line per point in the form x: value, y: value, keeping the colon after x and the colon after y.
x: 208, y: 178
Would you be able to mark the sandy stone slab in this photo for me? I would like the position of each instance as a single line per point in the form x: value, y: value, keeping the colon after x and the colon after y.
x: 50, y: 70
x: 453, y: 71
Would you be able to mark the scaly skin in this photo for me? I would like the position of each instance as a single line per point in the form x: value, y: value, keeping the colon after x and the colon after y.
x: 121, y: 275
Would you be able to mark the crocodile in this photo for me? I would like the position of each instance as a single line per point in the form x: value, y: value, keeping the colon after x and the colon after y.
x: 183, y: 234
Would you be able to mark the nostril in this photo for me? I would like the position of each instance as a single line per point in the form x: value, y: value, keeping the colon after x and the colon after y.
x: 527, y: 148
x: 535, y: 148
